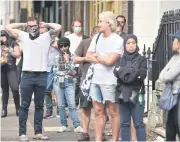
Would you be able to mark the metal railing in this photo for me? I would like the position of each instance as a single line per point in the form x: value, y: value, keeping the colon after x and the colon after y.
x: 162, y: 48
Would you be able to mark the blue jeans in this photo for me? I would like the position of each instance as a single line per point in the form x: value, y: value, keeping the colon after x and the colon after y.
x: 102, y: 93
x: 67, y: 93
x: 48, y: 97
x: 137, y: 112
x: 32, y: 82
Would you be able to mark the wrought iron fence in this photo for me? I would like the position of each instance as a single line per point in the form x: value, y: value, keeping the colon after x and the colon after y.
x: 162, y: 48
x: 170, y: 23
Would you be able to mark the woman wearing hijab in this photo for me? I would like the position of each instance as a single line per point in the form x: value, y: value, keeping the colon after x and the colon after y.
x: 131, y: 70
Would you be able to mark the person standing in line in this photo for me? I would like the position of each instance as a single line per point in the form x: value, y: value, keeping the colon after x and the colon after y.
x: 53, y: 51
x: 85, y: 105
x: 10, y: 50
x: 104, y: 55
x: 121, y: 21
x: 131, y: 71
x: 75, y: 38
x: 64, y: 72
x: 171, y: 74
x: 35, y: 47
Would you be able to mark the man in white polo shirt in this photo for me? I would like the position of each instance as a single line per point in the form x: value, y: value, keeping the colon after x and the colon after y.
x: 35, y: 47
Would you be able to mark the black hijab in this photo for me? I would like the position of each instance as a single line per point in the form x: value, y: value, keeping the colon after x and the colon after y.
x: 129, y: 57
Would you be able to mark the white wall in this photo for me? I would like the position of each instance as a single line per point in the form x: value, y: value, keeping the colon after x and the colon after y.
x: 146, y: 21
x: 147, y: 16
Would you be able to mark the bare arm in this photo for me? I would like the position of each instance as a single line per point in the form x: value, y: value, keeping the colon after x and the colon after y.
x: 90, y: 57
x: 109, y: 60
x: 78, y: 60
x: 54, y: 44
x: 16, y: 52
x: 13, y: 29
x: 55, y: 28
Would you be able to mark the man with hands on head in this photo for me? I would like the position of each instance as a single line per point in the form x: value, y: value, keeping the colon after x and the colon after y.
x: 35, y: 47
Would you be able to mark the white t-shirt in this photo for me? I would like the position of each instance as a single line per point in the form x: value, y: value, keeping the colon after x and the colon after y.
x: 35, y: 52
x: 113, y: 44
x: 74, y: 42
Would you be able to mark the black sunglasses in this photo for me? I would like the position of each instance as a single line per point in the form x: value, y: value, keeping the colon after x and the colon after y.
x: 65, y: 46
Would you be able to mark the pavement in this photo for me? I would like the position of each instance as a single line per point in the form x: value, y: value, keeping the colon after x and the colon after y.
x: 10, y: 127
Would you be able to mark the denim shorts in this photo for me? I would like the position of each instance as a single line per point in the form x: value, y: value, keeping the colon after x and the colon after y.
x: 102, y: 93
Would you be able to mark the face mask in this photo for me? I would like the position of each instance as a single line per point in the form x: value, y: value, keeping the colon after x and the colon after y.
x: 33, y: 32
x: 77, y: 29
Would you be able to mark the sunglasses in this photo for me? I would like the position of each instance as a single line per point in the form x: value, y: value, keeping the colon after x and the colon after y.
x: 65, y: 46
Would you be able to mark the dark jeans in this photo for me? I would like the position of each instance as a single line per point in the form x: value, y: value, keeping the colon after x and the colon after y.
x: 77, y: 90
x: 48, y: 97
x: 9, y: 78
x: 173, y: 122
x: 136, y: 111
x: 32, y: 82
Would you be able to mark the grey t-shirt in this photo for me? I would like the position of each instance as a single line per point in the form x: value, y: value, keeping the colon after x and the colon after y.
x: 113, y: 44
x: 35, y: 52
x: 81, y: 52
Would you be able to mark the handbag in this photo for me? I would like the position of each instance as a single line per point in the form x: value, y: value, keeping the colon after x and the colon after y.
x: 167, y: 100
x: 85, y: 87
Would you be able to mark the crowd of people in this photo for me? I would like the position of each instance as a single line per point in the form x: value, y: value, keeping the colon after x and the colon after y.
x: 54, y: 71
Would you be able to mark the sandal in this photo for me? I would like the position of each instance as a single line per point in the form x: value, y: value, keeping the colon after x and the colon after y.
x: 40, y: 137
x: 109, y: 133
x: 23, y: 138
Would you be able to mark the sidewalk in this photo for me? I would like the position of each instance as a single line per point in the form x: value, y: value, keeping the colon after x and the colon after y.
x: 10, y: 127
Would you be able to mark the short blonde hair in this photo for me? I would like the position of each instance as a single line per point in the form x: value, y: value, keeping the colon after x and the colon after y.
x: 109, y: 16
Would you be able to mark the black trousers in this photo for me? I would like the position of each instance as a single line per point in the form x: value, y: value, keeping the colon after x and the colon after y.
x: 173, y: 122
x: 77, y: 90
x: 9, y: 77
x: 32, y: 82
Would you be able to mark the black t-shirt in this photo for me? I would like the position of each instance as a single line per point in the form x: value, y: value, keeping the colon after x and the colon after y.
x: 11, y: 59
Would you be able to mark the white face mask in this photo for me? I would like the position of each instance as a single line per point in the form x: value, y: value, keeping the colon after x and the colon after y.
x: 77, y: 29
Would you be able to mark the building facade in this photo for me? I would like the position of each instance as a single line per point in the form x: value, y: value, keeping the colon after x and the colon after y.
x: 64, y: 12
x: 14, y: 11
x: 98, y: 6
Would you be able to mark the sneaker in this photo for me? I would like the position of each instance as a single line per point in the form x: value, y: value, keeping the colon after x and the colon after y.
x: 78, y: 129
x: 4, y: 113
x: 57, y: 115
x: 23, y: 138
x: 48, y: 115
x: 83, y: 137
x: 62, y: 129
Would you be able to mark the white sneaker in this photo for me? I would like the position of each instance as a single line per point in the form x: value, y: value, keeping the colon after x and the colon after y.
x: 57, y: 116
x: 79, y: 129
x: 62, y: 129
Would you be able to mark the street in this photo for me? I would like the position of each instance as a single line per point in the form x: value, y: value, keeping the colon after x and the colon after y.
x: 10, y: 128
